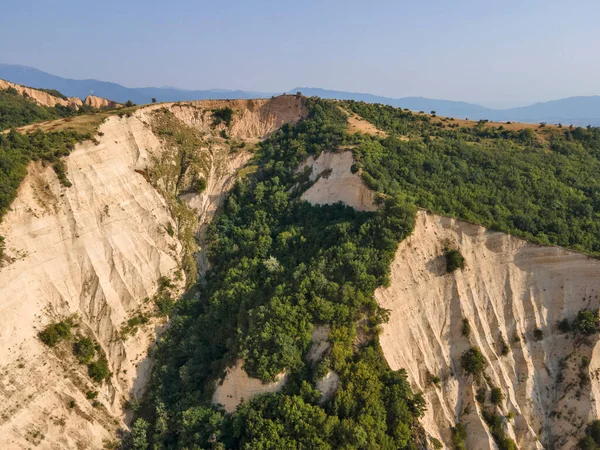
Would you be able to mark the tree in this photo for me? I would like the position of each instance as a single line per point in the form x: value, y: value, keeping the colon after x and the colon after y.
x: 473, y: 361
x: 153, y: 99
x: 466, y: 328
x: 98, y: 370
x: 139, y: 433
x: 129, y: 103
x: 84, y: 350
x: 454, y: 260
x: 586, y: 322
x: 497, y: 396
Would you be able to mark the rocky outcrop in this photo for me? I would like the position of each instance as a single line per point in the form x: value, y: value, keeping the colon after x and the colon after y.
x: 40, y: 97
x: 100, y: 103
x: 238, y: 387
x: 508, y: 289
x: 97, y: 249
x: 334, y: 182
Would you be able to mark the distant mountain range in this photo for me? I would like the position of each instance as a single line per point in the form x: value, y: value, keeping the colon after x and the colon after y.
x: 571, y: 110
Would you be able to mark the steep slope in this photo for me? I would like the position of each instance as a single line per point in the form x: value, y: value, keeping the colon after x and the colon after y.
x: 99, y: 102
x: 40, y: 97
x: 334, y: 182
x: 98, y: 249
x: 508, y: 290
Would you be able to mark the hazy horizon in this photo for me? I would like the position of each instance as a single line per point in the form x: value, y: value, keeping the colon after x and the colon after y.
x: 495, y: 55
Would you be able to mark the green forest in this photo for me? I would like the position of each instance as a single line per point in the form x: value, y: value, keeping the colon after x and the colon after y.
x: 17, y: 110
x: 543, y: 187
x: 279, y: 266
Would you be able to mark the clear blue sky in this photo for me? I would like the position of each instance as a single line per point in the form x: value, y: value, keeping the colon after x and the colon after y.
x: 497, y: 53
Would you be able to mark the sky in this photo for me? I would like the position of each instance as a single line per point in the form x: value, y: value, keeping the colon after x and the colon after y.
x: 496, y: 53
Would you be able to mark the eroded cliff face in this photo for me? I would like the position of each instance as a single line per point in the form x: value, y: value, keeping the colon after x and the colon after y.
x: 100, y: 103
x: 40, y: 97
x: 507, y: 290
x: 333, y: 182
x: 97, y: 250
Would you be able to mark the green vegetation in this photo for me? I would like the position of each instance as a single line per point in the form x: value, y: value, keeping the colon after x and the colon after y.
x: 98, y: 370
x: 53, y: 92
x: 56, y: 332
x: 466, y: 327
x: 17, y: 110
x: 17, y: 150
x: 278, y: 267
x: 497, y: 396
x: 130, y: 327
x: 564, y: 326
x: 586, y: 322
x: 494, y: 422
x: 459, y: 437
x: 83, y: 349
x: 543, y: 186
x: 222, y: 115
x: 473, y: 361
x: 481, y: 393
x: 591, y: 440
x: 454, y: 260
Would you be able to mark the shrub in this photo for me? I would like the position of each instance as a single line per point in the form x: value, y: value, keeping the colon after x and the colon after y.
x: 564, y: 326
x: 592, y: 433
x: 586, y: 322
x: 472, y: 361
x: 538, y: 334
x: 494, y: 423
x: 98, y: 370
x: 435, y: 443
x: 198, y: 185
x: 90, y: 395
x: 497, y: 396
x: 153, y: 100
x: 54, y: 93
x: 459, y: 437
x: 222, y: 115
x: 83, y: 349
x: 433, y: 379
x: 466, y: 328
x: 56, y: 332
x: 454, y: 260
x: 504, y: 348
x: 132, y: 325
x: 164, y: 304
x: 164, y: 282
x: 129, y: 104
x: 480, y: 397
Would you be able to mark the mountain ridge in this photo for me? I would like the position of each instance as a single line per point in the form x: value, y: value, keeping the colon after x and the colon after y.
x: 577, y: 110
